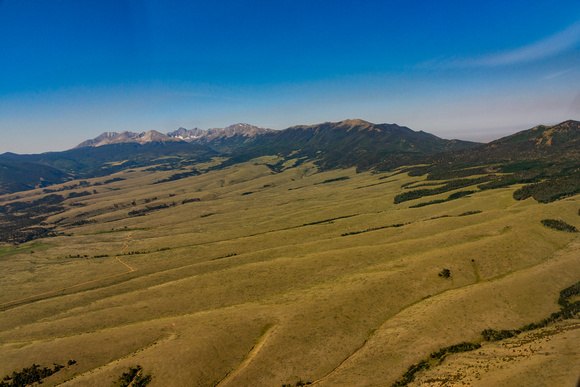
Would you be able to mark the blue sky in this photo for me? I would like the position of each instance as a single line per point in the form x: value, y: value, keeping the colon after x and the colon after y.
x: 70, y: 70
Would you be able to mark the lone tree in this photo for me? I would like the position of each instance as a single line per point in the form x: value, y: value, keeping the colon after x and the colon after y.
x: 445, y: 273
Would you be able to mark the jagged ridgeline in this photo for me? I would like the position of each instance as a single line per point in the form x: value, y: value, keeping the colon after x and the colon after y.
x: 332, y: 145
x: 530, y: 155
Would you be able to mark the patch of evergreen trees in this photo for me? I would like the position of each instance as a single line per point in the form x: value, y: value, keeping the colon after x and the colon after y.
x: 31, y: 375
x: 134, y: 378
x: 551, y: 189
x: 147, y: 209
x: 179, y: 176
x: 559, y: 225
x: 449, y: 186
x: 435, y: 358
x: 568, y: 310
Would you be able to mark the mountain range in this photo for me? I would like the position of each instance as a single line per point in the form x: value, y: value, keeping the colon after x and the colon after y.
x: 194, y: 135
x: 344, y: 144
x: 335, y: 144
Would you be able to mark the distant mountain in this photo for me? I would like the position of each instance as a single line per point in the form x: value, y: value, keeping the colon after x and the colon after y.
x: 22, y: 176
x: 331, y: 145
x: 544, y: 158
x: 92, y: 161
x: 216, y: 137
x: 555, y: 143
x: 188, y: 135
x: 561, y: 140
x: 221, y: 139
x: 103, y: 139
x: 109, y: 138
x: 193, y: 135
x: 350, y: 143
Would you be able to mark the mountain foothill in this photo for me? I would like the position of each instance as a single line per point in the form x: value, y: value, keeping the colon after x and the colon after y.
x: 349, y: 143
x: 342, y: 253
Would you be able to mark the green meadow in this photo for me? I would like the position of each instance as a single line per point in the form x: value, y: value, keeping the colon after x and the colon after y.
x: 246, y: 276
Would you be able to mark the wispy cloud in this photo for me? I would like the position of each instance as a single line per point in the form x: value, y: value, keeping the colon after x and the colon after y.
x: 559, y: 73
x: 545, y: 48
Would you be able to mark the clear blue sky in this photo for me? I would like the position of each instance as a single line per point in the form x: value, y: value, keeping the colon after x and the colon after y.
x: 70, y: 70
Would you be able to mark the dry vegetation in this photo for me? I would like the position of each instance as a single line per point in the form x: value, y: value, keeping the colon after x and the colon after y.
x: 247, y: 277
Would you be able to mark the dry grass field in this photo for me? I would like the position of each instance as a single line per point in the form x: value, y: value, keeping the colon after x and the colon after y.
x: 256, y: 283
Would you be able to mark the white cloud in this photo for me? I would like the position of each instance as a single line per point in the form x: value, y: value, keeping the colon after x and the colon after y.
x: 559, y: 73
x: 545, y: 48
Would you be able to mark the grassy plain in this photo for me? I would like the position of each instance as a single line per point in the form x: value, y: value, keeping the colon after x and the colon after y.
x: 256, y: 284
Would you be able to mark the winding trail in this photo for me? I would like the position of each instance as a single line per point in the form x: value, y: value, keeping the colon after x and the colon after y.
x: 126, y: 246
x: 117, y: 361
x: 126, y: 243
x: 341, y: 363
x: 251, y: 355
x: 130, y: 268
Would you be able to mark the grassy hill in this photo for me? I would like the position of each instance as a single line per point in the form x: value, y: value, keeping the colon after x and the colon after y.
x: 273, y: 272
x: 104, y: 160
x: 555, y: 143
x: 21, y: 176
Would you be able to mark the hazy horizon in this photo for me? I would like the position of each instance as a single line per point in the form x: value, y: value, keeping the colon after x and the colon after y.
x: 478, y: 72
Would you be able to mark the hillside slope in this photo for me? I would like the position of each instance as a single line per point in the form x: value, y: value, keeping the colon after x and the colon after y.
x: 22, y: 176
x: 107, y: 159
x: 247, y: 275
x: 350, y: 143
x: 552, y: 144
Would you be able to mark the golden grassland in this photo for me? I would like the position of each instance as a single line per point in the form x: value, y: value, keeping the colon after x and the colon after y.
x: 256, y: 285
x: 522, y: 360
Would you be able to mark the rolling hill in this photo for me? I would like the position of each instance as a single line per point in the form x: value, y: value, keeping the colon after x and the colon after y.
x: 295, y: 266
x: 557, y: 143
x: 104, y: 160
x: 22, y: 176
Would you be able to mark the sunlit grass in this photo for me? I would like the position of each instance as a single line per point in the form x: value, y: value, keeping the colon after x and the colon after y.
x: 289, y: 262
